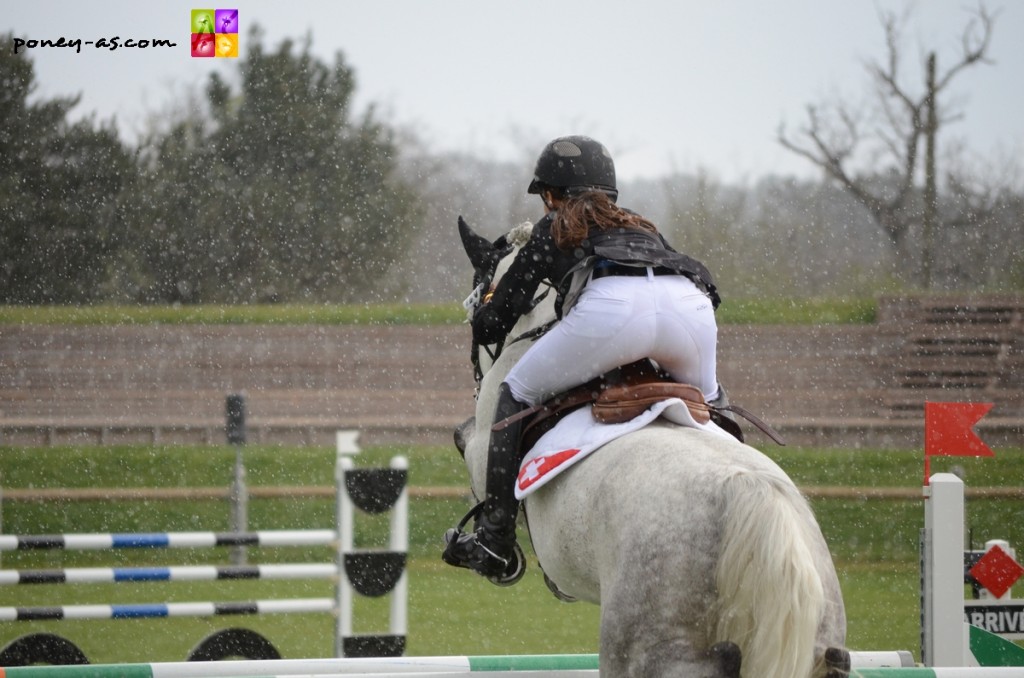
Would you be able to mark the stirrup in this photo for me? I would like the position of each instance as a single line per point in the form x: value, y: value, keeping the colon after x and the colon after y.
x: 464, y: 549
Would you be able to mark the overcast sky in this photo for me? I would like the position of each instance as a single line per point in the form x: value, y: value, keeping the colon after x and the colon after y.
x: 673, y: 84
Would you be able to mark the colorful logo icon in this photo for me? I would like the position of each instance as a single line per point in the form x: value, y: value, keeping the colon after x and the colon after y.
x: 214, y: 32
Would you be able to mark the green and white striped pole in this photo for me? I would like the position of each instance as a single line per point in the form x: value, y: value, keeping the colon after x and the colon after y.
x: 494, y: 666
x: 566, y: 665
x: 548, y: 666
x: 940, y: 672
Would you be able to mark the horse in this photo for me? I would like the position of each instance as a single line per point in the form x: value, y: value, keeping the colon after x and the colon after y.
x: 703, y: 555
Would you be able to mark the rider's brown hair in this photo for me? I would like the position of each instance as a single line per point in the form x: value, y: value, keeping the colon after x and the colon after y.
x: 593, y: 209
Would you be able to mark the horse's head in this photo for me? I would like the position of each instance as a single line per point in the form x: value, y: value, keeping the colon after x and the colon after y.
x: 483, y: 254
x: 490, y: 260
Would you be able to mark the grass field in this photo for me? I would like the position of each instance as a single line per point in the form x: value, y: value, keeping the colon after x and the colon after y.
x: 824, y: 311
x: 874, y: 543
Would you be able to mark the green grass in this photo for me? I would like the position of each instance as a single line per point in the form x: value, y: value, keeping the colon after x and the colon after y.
x: 874, y: 543
x: 290, y: 314
x: 204, y: 466
x: 775, y: 311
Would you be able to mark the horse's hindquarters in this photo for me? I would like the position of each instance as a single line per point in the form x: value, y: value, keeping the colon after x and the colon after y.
x: 638, y: 527
x: 641, y: 503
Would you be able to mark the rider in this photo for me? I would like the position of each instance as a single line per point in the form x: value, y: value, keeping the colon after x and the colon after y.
x: 623, y: 295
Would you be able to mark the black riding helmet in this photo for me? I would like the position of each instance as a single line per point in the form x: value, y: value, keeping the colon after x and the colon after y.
x: 575, y: 164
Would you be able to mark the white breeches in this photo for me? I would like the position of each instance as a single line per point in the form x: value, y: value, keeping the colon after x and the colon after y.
x: 617, y: 320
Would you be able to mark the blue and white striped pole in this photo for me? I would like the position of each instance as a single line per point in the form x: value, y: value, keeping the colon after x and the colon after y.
x: 154, y: 610
x: 157, y: 540
x: 102, y: 575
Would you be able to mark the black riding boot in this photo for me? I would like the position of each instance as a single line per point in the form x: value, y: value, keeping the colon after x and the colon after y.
x: 491, y: 549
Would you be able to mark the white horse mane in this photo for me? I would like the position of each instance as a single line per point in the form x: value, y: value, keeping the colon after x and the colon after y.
x: 519, y: 234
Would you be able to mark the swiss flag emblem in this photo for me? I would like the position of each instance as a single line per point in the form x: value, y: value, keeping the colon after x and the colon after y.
x: 537, y: 468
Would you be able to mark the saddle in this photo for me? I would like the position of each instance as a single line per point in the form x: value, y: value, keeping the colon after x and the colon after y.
x: 622, y: 394
x: 617, y: 404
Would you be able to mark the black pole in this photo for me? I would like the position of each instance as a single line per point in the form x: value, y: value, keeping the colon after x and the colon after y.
x: 235, y: 427
x: 235, y: 411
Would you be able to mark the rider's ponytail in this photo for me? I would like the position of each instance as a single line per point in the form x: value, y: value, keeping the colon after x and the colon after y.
x: 593, y: 209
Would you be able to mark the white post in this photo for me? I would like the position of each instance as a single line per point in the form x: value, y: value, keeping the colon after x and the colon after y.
x: 239, y: 507
x: 343, y: 517
x: 346, y: 442
x: 399, y: 543
x: 942, y: 631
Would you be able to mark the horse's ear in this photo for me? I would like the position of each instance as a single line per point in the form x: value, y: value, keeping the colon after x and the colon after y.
x: 481, y: 252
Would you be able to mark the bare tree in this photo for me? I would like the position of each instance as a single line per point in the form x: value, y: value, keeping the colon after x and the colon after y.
x: 899, y: 188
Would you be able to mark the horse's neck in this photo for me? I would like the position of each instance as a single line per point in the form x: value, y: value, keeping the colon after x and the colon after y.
x: 544, y: 311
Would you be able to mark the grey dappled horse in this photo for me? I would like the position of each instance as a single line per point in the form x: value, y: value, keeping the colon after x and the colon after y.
x: 693, y: 544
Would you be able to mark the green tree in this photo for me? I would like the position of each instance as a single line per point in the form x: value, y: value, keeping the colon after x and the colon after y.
x: 281, y: 194
x: 60, y: 183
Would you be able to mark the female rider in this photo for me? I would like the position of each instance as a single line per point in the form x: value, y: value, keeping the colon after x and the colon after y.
x: 634, y: 297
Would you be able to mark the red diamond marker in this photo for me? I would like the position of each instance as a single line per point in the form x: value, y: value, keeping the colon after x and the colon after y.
x: 997, y: 571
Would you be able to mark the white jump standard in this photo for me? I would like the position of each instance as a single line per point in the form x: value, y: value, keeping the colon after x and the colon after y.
x: 367, y: 572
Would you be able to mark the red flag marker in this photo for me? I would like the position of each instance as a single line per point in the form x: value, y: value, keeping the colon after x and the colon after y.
x: 949, y: 431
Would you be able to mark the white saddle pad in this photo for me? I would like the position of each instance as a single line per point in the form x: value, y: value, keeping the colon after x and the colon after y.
x: 578, y: 434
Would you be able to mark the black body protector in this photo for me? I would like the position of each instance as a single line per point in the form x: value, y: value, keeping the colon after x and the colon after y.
x: 630, y: 247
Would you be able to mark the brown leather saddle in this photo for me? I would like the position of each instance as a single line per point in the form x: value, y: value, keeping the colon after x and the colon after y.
x: 621, y: 395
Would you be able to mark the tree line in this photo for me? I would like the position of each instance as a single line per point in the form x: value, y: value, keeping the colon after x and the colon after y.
x: 275, y: 192
x: 278, y: 191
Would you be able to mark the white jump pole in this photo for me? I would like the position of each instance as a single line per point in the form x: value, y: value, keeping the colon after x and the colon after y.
x: 399, y: 543
x: 344, y: 522
x: 943, y: 632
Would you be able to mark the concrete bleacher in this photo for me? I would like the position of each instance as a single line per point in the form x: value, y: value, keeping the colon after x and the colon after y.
x: 169, y: 383
x: 849, y: 386
x: 956, y: 349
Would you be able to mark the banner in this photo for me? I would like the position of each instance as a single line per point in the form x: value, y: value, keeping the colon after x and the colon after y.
x: 949, y: 431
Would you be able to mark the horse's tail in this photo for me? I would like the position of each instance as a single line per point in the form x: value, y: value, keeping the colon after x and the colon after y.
x: 770, y: 597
